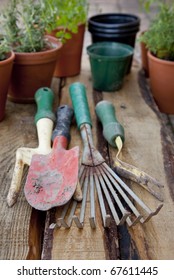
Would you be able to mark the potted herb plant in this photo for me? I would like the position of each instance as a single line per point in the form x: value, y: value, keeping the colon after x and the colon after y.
x: 159, y: 40
x: 67, y: 21
x: 146, y: 5
x: 24, y: 24
x: 6, y: 64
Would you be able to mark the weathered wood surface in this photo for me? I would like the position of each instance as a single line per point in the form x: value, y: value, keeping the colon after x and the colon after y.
x: 145, y: 148
x: 20, y: 227
x: 25, y: 233
x: 16, y: 130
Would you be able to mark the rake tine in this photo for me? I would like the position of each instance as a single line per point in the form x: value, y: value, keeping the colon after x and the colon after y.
x: 124, y: 212
x: 110, y: 203
x: 125, y: 197
x: 92, y: 199
x: 61, y: 220
x: 105, y: 216
x: 133, y: 195
x: 152, y: 213
x: 82, y: 170
x: 84, y: 178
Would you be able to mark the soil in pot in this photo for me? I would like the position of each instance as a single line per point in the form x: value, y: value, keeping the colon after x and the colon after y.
x: 109, y: 63
x: 69, y: 61
x: 161, y: 74
x: 5, y: 74
x: 32, y: 71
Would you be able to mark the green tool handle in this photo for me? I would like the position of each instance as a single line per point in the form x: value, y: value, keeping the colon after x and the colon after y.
x: 80, y: 104
x: 111, y: 127
x: 44, y: 98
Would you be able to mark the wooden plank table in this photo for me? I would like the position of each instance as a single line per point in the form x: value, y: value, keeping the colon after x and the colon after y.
x: 25, y: 232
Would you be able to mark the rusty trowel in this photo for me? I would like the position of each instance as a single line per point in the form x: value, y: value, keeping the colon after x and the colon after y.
x: 52, y: 178
x: 44, y: 120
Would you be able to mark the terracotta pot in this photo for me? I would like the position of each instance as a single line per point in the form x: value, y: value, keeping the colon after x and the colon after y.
x: 162, y: 83
x: 69, y: 61
x: 5, y: 74
x: 32, y: 71
x: 144, y: 58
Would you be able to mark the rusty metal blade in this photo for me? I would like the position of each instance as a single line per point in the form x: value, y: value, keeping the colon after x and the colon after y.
x: 52, y: 179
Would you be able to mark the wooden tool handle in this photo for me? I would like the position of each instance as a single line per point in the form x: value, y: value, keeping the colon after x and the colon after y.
x: 64, y: 118
x: 44, y: 118
x: 111, y: 127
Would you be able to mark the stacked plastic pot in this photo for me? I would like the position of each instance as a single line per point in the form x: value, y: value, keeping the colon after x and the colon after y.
x: 120, y: 30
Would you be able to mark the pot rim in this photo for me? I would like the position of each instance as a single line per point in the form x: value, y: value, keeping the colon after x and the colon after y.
x: 8, y: 59
x: 129, y: 50
x: 93, y: 20
x: 30, y: 58
x: 57, y: 45
x: 159, y: 60
x: 116, y: 35
x: 113, y: 31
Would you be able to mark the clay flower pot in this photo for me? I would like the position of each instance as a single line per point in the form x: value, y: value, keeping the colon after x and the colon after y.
x: 5, y: 74
x: 69, y: 61
x: 144, y: 57
x: 32, y: 71
x: 161, y: 74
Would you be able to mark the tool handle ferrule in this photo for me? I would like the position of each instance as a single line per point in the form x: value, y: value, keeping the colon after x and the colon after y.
x: 64, y: 117
x: 80, y: 104
x: 44, y: 99
x: 111, y: 127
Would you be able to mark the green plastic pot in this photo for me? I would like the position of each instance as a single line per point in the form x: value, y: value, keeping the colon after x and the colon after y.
x: 109, y: 62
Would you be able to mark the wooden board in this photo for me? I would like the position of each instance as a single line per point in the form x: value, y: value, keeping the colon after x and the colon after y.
x: 26, y: 233
x: 16, y: 130
x: 144, y: 148
x: 20, y: 227
x: 75, y: 243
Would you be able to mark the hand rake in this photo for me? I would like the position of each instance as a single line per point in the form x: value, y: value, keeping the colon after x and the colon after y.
x: 96, y: 177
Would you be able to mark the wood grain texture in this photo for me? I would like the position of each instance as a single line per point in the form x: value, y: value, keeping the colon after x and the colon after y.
x: 21, y: 227
x: 74, y: 243
x: 144, y: 148
x: 148, y: 145
x: 16, y: 130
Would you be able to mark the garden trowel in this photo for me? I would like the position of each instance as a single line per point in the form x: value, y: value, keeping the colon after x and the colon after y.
x: 52, y: 178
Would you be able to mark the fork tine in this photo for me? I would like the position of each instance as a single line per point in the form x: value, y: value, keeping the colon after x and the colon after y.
x: 92, y: 218
x: 71, y: 216
x: 105, y: 216
x: 124, y: 212
x: 61, y: 220
x: 84, y: 183
x: 152, y: 213
x: 109, y: 200
x: 132, y: 194
x: 122, y: 193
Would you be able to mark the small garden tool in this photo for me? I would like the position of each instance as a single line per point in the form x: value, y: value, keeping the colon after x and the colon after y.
x: 44, y: 122
x: 52, y: 178
x: 98, y: 179
x: 113, y: 132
